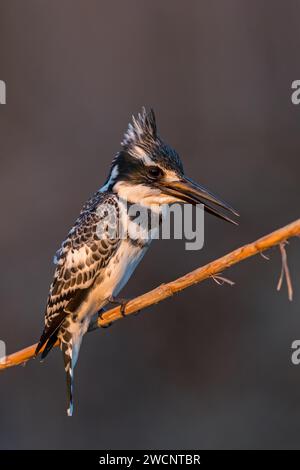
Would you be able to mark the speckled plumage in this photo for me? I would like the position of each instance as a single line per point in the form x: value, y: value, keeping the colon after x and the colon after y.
x: 91, y: 267
x: 82, y: 255
x: 79, y: 266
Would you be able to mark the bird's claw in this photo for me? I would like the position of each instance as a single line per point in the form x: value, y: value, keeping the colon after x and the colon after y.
x: 121, y: 302
x: 100, y: 315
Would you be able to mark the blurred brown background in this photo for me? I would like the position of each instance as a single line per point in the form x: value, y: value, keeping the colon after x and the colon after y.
x: 209, y: 368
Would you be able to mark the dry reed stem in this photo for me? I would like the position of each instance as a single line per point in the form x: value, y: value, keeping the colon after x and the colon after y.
x: 210, y: 270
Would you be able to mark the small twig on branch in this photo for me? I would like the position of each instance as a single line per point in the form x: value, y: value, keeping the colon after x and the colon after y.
x: 285, y: 272
x: 167, y: 290
x: 264, y: 256
x: 220, y: 280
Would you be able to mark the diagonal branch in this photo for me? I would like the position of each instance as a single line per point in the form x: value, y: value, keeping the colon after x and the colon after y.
x: 164, y: 291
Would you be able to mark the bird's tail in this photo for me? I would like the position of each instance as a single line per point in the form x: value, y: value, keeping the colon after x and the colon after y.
x: 69, y: 335
x: 67, y: 350
x: 70, y: 345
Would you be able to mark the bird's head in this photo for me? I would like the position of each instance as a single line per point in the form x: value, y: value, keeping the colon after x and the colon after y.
x: 150, y: 172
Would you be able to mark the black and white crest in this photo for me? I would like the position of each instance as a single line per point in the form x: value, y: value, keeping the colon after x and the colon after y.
x: 141, y: 140
x: 142, y: 132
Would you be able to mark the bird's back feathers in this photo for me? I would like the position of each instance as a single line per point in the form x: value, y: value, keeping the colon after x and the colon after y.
x: 79, y: 263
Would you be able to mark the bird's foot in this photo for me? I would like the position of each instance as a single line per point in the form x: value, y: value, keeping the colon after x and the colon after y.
x: 100, y: 315
x: 120, y: 302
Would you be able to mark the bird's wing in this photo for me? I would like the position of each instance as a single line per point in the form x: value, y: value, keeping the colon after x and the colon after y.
x: 85, y: 252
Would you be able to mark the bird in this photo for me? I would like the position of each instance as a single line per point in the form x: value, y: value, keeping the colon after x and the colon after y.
x: 98, y: 256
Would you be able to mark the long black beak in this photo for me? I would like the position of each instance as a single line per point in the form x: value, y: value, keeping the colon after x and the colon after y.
x: 187, y: 190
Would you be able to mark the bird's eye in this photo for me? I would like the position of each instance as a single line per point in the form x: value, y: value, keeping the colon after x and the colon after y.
x: 154, y: 172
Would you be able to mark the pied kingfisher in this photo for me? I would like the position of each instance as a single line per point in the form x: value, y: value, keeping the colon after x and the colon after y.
x: 92, y: 266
